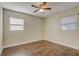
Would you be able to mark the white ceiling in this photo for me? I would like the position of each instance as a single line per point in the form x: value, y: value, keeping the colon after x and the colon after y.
x: 25, y: 7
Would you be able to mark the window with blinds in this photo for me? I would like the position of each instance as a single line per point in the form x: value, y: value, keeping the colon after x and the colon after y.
x: 16, y: 24
x: 69, y: 23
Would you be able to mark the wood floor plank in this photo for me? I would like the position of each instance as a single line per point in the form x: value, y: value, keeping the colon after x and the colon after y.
x: 40, y: 48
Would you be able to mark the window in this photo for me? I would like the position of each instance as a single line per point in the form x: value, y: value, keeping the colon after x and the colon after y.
x: 16, y: 24
x: 68, y: 23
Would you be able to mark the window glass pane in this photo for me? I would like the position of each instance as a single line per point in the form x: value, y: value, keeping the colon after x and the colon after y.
x: 72, y: 26
x: 14, y: 27
x: 69, y: 27
x: 64, y: 27
x: 70, y: 19
x: 16, y: 21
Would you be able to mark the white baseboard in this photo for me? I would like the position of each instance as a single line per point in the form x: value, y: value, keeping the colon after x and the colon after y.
x: 1, y: 49
x: 12, y: 45
x: 6, y: 46
x: 63, y: 44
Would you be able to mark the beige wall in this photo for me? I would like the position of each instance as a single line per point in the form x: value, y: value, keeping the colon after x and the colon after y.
x: 1, y: 28
x: 55, y: 34
x: 33, y: 29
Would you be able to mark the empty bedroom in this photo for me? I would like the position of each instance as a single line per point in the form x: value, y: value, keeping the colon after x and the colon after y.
x: 39, y: 28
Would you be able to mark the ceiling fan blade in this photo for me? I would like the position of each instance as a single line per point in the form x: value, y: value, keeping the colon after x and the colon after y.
x: 44, y: 3
x: 35, y: 6
x: 35, y: 10
x: 47, y: 8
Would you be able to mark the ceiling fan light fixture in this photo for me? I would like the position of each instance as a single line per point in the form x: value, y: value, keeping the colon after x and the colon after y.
x: 41, y: 7
x: 41, y: 10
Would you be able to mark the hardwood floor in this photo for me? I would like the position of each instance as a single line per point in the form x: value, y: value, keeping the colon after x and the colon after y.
x: 40, y: 48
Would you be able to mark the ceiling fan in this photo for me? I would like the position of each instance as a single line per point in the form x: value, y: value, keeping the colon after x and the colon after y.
x: 41, y: 7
